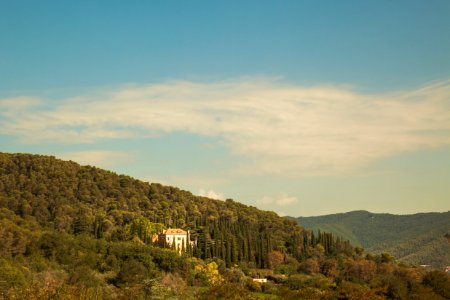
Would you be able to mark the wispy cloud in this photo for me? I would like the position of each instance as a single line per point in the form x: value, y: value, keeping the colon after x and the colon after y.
x: 18, y: 103
x: 211, y: 194
x: 285, y: 199
x: 278, y: 128
x: 281, y: 200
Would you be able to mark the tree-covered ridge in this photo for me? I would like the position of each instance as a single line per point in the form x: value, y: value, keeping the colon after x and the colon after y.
x: 418, y: 238
x: 66, y: 197
x: 74, y: 232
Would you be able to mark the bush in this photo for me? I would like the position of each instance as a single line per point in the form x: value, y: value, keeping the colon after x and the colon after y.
x: 439, y: 281
x: 132, y: 272
x: 269, y: 288
x: 226, y: 291
x: 254, y: 286
x: 11, y: 276
x: 84, y: 276
x: 299, y: 281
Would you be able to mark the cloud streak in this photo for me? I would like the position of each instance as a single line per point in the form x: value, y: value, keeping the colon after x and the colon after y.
x: 276, y: 127
x: 281, y: 200
x: 211, y: 194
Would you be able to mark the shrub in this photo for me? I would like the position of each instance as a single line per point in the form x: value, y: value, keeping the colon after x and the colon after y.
x: 10, y: 276
x: 439, y: 281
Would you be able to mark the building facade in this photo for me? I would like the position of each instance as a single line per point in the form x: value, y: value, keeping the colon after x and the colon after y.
x: 176, y: 238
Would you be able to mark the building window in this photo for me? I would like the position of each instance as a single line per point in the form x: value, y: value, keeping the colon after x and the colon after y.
x: 179, y: 238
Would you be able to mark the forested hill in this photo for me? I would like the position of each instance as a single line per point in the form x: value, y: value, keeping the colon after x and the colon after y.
x: 418, y: 238
x: 66, y: 197
x: 78, y: 232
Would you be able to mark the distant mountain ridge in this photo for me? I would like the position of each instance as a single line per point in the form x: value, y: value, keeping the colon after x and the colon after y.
x: 418, y: 238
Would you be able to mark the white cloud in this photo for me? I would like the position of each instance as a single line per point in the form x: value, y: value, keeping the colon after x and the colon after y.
x: 211, y: 194
x: 275, y: 127
x: 98, y: 158
x: 18, y: 103
x: 285, y: 199
x: 281, y: 200
x: 155, y: 179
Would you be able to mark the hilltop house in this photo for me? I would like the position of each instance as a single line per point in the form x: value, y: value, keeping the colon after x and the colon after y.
x: 175, y: 237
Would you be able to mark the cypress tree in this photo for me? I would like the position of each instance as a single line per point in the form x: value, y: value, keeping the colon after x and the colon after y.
x: 183, y: 249
x: 228, y: 250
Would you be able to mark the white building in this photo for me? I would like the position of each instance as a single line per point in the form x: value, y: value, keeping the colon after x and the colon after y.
x: 180, y: 237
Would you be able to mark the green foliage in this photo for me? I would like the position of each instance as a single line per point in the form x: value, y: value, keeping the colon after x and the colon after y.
x: 83, y: 276
x: 227, y: 291
x: 73, y: 232
x: 208, y: 274
x: 144, y: 229
x: 416, y: 239
x: 300, y: 281
x: 439, y: 281
x: 132, y: 272
x: 62, y: 196
x: 11, y: 275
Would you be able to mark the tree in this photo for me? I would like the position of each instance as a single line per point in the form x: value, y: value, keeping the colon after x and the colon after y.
x: 131, y: 272
x: 439, y: 281
x: 10, y: 276
x: 311, y: 266
x: 274, y: 259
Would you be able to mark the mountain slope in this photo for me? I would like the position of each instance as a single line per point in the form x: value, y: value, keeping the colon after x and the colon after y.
x: 79, y: 232
x: 64, y: 196
x: 417, y: 238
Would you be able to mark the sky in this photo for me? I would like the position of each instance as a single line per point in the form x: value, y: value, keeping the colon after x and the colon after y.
x: 300, y: 107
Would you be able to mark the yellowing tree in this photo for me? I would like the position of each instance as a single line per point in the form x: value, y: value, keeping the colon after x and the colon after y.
x: 209, y: 273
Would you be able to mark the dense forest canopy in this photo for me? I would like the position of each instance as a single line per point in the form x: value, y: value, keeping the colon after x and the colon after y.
x: 71, y: 231
x: 418, y: 238
x: 66, y: 197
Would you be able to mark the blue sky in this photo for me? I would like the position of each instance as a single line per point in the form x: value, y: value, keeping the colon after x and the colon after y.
x: 301, y: 107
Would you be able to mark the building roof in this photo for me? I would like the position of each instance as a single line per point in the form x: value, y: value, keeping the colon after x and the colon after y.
x: 175, y: 231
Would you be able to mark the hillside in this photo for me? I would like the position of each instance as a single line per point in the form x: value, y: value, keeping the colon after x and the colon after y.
x: 78, y: 232
x: 417, y: 239
x: 64, y: 196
